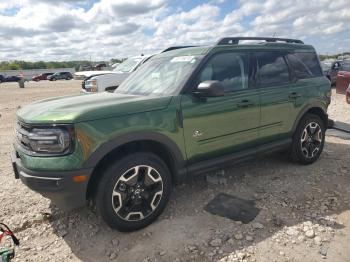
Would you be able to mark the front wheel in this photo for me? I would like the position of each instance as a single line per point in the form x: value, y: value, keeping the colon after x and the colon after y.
x: 308, y: 139
x: 134, y: 191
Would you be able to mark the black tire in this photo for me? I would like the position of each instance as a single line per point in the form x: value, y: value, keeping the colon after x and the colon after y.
x: 308, y: 140
x: 115, y: 209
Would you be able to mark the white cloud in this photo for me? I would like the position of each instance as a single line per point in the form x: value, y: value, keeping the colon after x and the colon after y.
x: 75, y: 29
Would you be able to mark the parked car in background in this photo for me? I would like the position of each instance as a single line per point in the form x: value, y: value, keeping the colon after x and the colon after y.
x: 100, y: 66
x: 182, y: 112
x: 82, y: 75
x: 335, y: 68
x: 4, y: 78
x: 115, y: 65
x: 60, y: 75
x: 111, y: 80
x: 343, y: 79
x: 42, y: 76
x: 326, y: 66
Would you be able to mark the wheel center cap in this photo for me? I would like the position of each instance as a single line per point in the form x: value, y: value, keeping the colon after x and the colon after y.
x: 137, y: 191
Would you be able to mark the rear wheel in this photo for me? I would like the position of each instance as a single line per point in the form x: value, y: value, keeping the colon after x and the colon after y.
x: 308, y: 139
x: 133, y: 191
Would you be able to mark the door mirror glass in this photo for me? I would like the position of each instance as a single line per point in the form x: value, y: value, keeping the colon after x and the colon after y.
x: 210, y: 88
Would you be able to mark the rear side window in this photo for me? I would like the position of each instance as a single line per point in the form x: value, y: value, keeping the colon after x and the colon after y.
x: 300, y: 70
x: 310, y: 60
x: 272, y: 69
x: 229, y: 68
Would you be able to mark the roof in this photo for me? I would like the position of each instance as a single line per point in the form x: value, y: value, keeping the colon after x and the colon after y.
x: 241, y: 43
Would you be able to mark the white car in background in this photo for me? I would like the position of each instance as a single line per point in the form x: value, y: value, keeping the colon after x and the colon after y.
x: 111, y: 80
x: 85, y: 74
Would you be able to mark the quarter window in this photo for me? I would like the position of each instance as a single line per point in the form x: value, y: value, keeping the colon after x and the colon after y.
x: 300, y: 69
x: 273, y: 69
x: 310, y: 60
x: 229, y: 68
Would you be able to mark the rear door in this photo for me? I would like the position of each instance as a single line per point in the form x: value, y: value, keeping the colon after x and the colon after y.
x: 215, y: 126
x: 276, y: 101
x: 307, y: 78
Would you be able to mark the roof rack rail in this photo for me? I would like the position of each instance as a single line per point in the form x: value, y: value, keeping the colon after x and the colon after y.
x: 235, y: 40
x: 176, y: 47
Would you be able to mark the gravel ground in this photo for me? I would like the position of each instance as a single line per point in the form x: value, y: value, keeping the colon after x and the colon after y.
x: 304, y: 210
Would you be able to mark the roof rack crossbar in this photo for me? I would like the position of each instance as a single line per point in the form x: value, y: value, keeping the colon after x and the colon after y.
x: 235, y: 40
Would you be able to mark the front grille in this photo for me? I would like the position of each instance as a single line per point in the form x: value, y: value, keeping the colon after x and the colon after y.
x: 22, y: 135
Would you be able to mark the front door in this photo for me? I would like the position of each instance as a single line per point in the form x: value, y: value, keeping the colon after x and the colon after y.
x: 215, y: 126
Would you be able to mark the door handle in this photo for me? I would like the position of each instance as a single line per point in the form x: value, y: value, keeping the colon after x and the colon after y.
x: 294, y: 95
x: 340, y: 75
x: 245, y: 103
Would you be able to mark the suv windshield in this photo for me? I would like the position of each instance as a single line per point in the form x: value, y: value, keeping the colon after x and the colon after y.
x: 159, y: 76
x: 127, y: 65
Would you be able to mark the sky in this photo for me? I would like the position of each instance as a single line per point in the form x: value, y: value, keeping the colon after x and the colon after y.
x: 61, y: 30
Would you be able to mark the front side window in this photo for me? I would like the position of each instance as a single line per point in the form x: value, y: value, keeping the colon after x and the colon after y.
x: 228, y: 68
x: 272, y: 69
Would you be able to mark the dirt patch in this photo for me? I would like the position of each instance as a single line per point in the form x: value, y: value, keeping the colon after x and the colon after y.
x: 304, y: 210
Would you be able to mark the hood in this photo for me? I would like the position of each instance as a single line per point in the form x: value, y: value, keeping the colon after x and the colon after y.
x: 85, y: 107
x: 90, y: 73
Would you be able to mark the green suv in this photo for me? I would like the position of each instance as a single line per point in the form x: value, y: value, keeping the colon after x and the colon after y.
x: 185, y: 111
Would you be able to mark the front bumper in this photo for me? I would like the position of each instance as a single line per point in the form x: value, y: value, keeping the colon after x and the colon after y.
x: 58, y: 186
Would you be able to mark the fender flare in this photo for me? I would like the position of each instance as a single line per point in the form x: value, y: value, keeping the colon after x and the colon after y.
x: 303, y: 112
x: 110, y: 145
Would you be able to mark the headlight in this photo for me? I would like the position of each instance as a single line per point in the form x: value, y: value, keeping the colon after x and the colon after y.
x: 91, y: 85
x: 42, y: 141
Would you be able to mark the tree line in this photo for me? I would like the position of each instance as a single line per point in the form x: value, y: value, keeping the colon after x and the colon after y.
x: 23, y: 65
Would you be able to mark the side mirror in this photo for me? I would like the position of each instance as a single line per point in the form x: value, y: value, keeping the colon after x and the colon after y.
x: 210, y: 88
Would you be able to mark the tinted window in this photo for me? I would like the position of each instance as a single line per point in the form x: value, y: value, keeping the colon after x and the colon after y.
x: 229, y: 68
x: 310, y: 60
x: 345, y: 67
x: 273, y: 69
x: 301, y: 70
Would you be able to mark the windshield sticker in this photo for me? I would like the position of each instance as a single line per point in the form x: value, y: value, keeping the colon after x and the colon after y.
x: 181, y: 59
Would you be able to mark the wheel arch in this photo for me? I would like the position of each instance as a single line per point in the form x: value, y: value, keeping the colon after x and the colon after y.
x: 316, y: 110
x: 156, y: 143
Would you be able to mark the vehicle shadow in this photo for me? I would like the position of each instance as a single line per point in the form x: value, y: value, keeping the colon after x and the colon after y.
x: 292, y: 199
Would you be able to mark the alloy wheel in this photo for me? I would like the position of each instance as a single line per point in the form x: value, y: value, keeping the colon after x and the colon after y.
x: 311, y: 140
x: 137, y: 193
